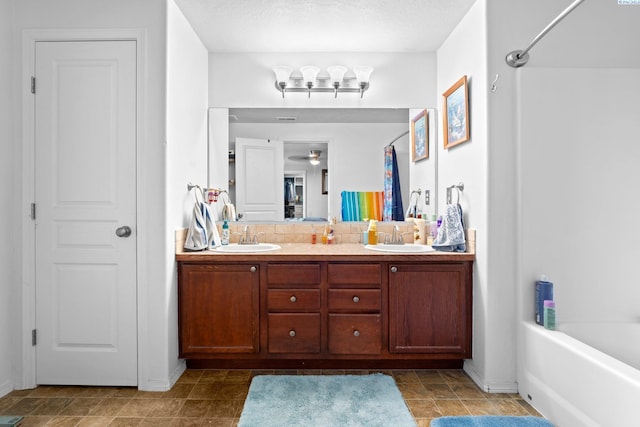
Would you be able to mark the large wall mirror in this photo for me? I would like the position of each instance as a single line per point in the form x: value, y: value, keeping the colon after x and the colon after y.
x: 304, y: 158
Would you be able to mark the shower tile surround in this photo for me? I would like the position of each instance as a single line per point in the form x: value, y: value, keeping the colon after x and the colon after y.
x: 216, y: 398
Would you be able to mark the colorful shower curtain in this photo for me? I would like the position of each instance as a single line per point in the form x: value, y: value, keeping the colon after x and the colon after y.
x: 392, y: 194
x: 361, y: 205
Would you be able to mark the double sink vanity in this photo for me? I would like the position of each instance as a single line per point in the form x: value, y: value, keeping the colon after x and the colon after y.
x: 342, y: 306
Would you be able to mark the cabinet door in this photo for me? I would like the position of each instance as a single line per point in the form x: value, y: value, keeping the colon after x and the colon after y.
x: 430, y: 308
x: 219, y: 308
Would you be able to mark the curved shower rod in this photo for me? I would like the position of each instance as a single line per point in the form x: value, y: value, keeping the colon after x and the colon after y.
x: 518, y: 58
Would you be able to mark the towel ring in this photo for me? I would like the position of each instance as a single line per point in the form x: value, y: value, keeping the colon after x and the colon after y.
x: 459, y: 188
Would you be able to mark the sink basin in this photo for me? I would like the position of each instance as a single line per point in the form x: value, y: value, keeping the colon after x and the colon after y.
x: 245, y: 249
x: 401, y: 249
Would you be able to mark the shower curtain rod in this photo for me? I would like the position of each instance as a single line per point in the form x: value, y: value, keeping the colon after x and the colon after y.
x: 397, y: 138
x: 518, y: 58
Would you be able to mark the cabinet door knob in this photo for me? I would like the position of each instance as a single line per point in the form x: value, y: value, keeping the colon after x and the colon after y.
x: 253, y: 269
x: 356, y: 299
x: 394, y: 269
x: 293, y: 298
x: 292, y: 333
x: 356, y: 333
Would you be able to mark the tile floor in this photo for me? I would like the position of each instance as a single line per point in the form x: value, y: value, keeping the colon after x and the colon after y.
x: 215, y: 398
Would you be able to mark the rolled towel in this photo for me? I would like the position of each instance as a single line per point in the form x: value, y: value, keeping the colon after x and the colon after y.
x: 450, y: 236
x: 229, y: 212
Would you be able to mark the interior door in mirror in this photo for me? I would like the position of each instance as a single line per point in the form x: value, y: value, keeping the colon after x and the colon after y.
x: 259, y: 179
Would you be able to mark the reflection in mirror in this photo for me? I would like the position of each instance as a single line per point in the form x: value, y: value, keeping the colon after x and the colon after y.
x: 351, y: 142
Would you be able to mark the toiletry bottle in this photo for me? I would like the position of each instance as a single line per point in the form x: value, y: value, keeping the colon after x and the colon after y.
x: 325, y: 234
x: 225, y: 233
x: 550, y: 315
x: 433, y: 226
x: 313, y: 235
x: 330, y: 235
x: 373, y: 233
x: 544, y: 291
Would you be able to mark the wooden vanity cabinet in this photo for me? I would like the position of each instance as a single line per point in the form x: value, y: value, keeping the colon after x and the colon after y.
x: 354, y: 304
x: 293, y: 308
x: 219, y: 309
x: 395, y: 312
x: 430, y: 308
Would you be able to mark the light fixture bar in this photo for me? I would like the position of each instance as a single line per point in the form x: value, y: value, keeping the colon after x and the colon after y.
x: 301, y: 89
x: 310, y: 81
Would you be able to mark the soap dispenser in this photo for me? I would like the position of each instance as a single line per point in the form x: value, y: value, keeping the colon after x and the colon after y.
x: 225, y: 233
x: 373, y: 233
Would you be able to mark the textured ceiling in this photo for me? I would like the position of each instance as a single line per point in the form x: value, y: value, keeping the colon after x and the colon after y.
x: 323, y: 25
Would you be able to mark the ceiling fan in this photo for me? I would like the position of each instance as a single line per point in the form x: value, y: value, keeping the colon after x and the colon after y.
x: 313, y: 157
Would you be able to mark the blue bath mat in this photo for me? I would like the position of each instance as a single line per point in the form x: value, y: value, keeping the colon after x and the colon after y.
x: 490, y: 421
x: 325, y: 401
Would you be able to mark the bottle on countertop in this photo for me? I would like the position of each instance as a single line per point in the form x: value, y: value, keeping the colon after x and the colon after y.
x: 225, y: 233
x: 314, y: 236
x: 372, y: 233
x: 325, y: 234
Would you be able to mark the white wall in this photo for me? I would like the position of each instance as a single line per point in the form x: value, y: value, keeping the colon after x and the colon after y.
x: 356, y: 151
x: 7, y: 192
x: 155, y: 237
x: 247, y: 80
x: 464, y: 52
x: 186, y: 158
x: 577, y: 185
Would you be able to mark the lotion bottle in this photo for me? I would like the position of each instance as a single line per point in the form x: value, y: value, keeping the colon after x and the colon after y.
x: 373, y: 233
x: 225, y: 233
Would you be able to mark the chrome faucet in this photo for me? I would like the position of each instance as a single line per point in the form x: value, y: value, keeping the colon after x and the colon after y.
x: 246, y: 238
x: 396, y: 237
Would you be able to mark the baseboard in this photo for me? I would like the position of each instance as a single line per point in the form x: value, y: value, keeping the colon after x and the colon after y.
x: 162, y: 385
x: 6, y: 388
x: 489, y: 387
x: 177, y: 373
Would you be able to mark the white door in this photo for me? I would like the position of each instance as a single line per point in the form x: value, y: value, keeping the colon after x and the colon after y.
x: 85, y: 177
x: 260, y: 179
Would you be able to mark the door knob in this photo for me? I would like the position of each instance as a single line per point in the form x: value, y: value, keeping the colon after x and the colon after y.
x: 124, y: 231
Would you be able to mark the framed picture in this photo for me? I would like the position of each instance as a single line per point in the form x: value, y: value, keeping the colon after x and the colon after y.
x: 420, y: 136
x: 325, y: 181
x: 456, y: 113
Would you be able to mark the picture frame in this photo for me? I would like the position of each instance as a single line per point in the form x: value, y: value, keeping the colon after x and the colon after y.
x: 420, y: 136
x: 455, y: 117
x: 325, y: 181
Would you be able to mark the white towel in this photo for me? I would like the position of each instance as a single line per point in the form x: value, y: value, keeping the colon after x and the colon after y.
x: 229, y: 212
x: 450, y: 236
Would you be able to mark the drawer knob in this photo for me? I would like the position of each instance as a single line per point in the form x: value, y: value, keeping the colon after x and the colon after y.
x: 356, y: 299
x: 394, y: 269
x: 356, y: 333
x: 253, y: 269
x: 293, y: 298
x: 292, y: 333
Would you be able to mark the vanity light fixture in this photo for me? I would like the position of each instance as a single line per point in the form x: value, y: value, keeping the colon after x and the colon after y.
x: 283, y: 73
x: 338, y: 79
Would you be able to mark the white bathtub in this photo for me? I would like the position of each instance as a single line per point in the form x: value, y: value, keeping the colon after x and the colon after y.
x: 572, y: 383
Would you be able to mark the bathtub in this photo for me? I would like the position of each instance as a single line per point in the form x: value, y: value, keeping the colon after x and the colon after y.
x: 585, y: 379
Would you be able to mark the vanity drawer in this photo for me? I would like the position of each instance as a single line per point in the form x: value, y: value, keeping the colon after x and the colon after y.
x: 354, y: 274
x: 355, y: 300
x: 293, y: 299
x: 355, y: 333
x: 294, y: 333
x: 293, y: 274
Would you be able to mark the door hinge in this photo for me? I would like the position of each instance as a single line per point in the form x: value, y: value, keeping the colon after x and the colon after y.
x: 33, y: 211
x: 33, y: 84
x: 33, y: 337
